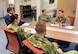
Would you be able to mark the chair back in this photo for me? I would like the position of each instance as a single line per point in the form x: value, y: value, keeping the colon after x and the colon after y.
x: 13, y: 40
x: 31, y: 47
x: 72, y: 19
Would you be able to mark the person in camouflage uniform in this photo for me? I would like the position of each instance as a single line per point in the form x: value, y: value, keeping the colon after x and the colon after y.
x: 42, y: 43
x: 38, y: 39
x: 14, y: 22
x: 61, y: 19
x: 44, y: 17
x: 19, y: 29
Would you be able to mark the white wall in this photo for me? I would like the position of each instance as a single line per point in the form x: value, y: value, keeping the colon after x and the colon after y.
x: 32, y: 2
x: 3, y: 7
x: 17, y: 6
x: 39, y: 8
x: 49, y: 7
x: 76, y: 19
x: 11, y: 1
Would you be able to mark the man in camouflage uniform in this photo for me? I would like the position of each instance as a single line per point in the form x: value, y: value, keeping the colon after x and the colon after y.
x: 44, y: 17
x: 38, y: 39
x: 40, y: 42
x: 61, y: 19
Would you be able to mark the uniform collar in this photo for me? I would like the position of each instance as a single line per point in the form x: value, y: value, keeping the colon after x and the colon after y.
x: 9, y: 14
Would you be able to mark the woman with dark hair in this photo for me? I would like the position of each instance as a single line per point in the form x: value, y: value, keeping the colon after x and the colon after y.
x: 15, y: 19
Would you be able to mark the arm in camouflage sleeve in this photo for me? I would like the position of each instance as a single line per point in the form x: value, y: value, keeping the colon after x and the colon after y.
x: 39, y: 18
x: 48, y: 19
x: 23, y: 35
x: 56, y: 19
x: 67, y: 21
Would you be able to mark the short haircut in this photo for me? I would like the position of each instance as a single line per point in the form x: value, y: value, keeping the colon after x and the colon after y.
x: 61, y: 11
x: 9, y: 9
x: 40, y: 27
x: 43, y: 10
x: 13, y: 17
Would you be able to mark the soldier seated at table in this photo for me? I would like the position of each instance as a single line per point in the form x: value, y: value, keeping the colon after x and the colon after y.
x: 62, y: 20
x: 38, y: 39
x: 44, y: 17
x: 42, y: 43
x: 15, y: 19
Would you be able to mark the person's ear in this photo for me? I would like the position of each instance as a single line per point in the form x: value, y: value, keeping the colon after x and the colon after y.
x: 15, y: 20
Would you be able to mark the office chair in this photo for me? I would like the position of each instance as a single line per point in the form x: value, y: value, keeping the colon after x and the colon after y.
x: 31, y: 47
x: 13, y: 44
x: 72, y: 19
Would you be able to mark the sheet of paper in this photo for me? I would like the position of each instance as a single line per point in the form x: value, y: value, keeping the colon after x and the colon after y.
x: 69, y: 27
x: 32, y: 30
x: 54, y: 24
x: 26, y: 24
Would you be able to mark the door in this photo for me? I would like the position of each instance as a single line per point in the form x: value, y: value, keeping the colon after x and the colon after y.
x: 69, y: 6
